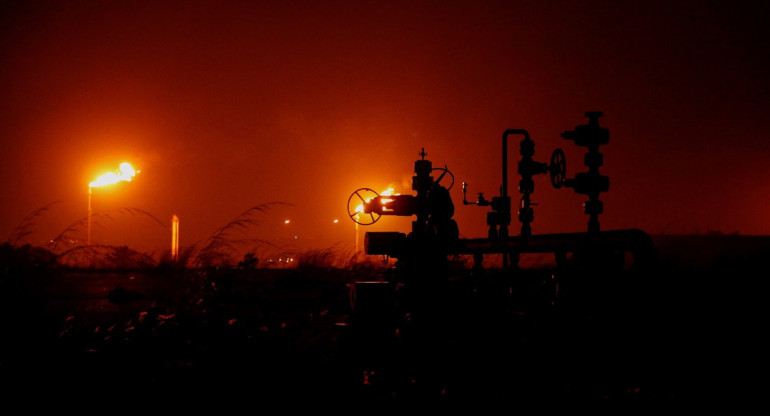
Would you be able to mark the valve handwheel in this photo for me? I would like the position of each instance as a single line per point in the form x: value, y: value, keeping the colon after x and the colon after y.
x: 357, y: 199
x: 444, y: 171
x: 558, y: 168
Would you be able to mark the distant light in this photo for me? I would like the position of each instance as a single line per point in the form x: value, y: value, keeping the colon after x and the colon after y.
x: 336, y: 220
x: 286, y: 221
x: 295, y: 237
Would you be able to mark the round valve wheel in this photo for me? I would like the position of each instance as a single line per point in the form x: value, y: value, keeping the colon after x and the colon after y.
x: 445, y: 171
x: 356, y: 203
x: 558, y: 168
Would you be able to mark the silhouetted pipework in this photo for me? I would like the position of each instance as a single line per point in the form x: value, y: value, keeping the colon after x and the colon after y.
x: 413, y: 305
x: 499, y: 218
x: 421, y: 183
x: 590, y: 183
x: 435, y: 235
x: 528, y: 168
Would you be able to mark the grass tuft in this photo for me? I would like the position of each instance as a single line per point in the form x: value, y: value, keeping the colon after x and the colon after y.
x: 224, y: 245
x: 27, y: 225
x: 105, y: 257
x: 74, y: 232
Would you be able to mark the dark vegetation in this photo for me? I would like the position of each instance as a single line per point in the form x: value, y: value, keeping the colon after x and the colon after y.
x: 230, y: 335
x: 138, y: 331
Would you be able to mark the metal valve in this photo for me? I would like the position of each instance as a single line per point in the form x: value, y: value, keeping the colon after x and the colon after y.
x: 590, y: 183
x: 480, y: 200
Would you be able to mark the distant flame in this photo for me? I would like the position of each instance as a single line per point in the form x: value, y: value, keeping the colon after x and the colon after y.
x: 387, y: 192
x: 124, y: 173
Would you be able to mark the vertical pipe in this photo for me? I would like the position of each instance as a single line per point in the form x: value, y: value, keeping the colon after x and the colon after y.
x: 174, y: 237
x: 506, y: 133
x: 89, y: 216
x: 504, y: 190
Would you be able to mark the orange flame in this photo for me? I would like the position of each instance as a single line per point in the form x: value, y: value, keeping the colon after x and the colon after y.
x: 124, y: 173
x: 387, y: 192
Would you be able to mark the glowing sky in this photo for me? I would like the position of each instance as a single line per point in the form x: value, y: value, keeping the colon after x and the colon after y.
x: 225, y: 105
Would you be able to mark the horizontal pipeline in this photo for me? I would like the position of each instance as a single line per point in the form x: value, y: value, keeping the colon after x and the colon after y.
x: 633, y: 240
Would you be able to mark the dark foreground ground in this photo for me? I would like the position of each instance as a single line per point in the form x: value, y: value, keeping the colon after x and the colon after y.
x: 687, y: 331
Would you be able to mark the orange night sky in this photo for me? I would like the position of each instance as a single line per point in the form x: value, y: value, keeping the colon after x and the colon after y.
x: 225, y: 105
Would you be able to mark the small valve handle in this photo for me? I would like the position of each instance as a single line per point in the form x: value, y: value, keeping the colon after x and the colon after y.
x: 480, y: 201
x: 558, y: 168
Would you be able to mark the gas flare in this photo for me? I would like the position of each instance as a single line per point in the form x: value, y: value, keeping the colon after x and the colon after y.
x: 124, y: 173
x: 387, y: 192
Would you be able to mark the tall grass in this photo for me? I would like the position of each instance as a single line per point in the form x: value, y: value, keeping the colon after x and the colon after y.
x: 27, y: 225
x: 230, y: 246
x: 336, y: 257
x: 73, y: 234
x: 327, y: 258
x: 100, y: 257
x: 228, y: 241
